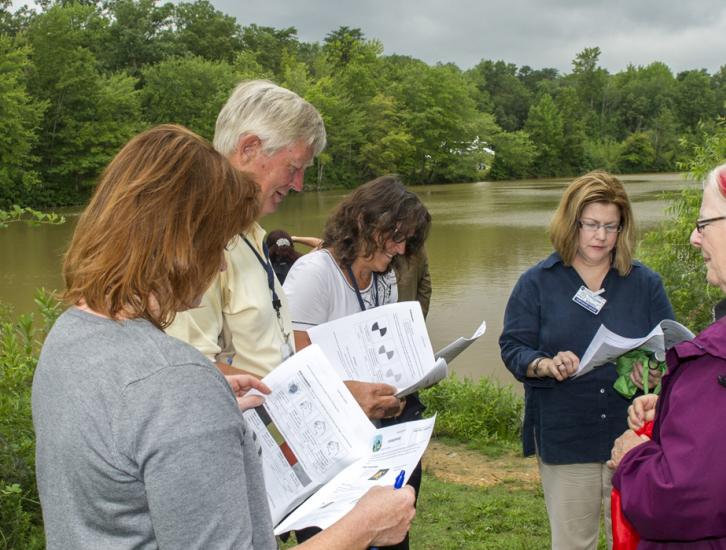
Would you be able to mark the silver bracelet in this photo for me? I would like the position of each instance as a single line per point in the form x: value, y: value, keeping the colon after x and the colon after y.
x: 535, y: 366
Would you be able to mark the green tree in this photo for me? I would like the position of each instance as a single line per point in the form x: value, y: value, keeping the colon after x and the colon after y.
x: 89, y: 115
x: 695, y: 99
x: 188, y: 91
x: 514, y: 155
x: 665, y: 141
x: 572, y: 159
x: 342, y: 45
x: 546, y: 131
x: 643, y: 93
x: 440, y: 114
x: 204, y: 31
x: 590, y: 81
x: 508, y: 98
x: 637, y: 153
x: 389, y: 147
x: 667, y: 250
x: 344, y: 123
x: 718, y: 83
x: 139, y: 33
x: 20, y: 114
x: 269, y: 46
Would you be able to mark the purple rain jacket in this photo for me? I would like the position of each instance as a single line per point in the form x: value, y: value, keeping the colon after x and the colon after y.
x: 673, y: 488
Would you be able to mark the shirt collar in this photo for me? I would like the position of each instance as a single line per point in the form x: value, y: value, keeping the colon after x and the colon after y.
x: 555, y: 258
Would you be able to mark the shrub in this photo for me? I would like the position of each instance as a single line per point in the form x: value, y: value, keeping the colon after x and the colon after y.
x: 482, y: 413
x: 20, y: 340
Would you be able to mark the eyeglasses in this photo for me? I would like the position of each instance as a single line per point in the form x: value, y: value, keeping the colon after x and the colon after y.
x: 700, y: 224
x: 592, y: 227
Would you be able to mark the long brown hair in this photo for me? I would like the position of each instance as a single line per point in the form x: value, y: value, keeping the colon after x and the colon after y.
x: 597, y: 186
x: 374, y: 212
x: 152, y: 237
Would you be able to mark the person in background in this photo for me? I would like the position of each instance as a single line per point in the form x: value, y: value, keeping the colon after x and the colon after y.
x: 672, y: 486
x: 352, y: 272
x: 243, y: 322
x: 282, y: 252
x: 140, y: 442
x: 413, y: 279
x: 554, y: 311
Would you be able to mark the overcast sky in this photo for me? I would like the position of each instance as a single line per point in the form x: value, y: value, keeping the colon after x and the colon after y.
x: 546, y: 33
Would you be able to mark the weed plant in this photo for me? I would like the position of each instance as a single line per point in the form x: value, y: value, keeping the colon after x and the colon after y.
x: 483, y: 414
x: 20, y: 340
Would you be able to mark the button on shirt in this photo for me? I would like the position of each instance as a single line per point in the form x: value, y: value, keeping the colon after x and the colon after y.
x: 575, y: 421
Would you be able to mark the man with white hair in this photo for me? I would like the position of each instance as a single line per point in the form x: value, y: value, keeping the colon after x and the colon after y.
x: 243, y: 323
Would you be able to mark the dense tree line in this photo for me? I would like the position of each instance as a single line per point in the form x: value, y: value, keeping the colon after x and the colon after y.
x: 78, y: 78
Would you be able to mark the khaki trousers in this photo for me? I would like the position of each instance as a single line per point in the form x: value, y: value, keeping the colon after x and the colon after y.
x: 575, y: 494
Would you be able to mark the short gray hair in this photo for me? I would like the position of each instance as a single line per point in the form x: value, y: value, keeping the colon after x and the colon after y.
x: 274, y: 114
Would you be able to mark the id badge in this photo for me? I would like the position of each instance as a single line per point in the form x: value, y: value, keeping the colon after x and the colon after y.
x: 591, y: 301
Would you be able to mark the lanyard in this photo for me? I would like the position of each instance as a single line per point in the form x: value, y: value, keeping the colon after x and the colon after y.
x: 357, y: 290
x: 276, y: 303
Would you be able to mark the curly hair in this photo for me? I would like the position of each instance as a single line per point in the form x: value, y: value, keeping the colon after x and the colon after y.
x: 152, y: 237
x: 597, y: 186
x: 375, y: 212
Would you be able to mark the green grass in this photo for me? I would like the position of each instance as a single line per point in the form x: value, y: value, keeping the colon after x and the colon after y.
x: 504, y: 516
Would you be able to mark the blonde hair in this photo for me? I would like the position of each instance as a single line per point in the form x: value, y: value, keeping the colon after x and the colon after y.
x: 152, y: 237
x: 597, y: 186
x: 276, y: 115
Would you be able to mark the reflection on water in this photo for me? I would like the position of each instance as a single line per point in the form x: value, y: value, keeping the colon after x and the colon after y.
x: 484, y: 236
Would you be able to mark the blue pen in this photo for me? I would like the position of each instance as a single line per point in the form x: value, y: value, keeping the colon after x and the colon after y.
x: 396, y: 485
x: 399, y: 480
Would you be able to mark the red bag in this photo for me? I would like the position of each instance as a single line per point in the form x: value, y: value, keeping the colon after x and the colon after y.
x: 625, y: 537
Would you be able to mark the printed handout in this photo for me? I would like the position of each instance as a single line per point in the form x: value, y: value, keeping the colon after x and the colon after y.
x: 450, y: 352
x: 310, y: 429
x: 395, y: 448
x: 388, y: 344
x: 606, y: 346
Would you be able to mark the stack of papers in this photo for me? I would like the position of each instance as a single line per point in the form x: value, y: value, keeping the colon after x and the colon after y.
x: 607, y: 346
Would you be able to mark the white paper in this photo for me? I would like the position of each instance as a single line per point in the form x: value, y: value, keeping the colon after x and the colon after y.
x: 606, y: 346
x: 395, y: 448
x: 309, y: 429
x: 388, y: 344
x: 450, y: 352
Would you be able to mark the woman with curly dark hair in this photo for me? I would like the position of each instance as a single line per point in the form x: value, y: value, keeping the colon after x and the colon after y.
x: 353, y: 272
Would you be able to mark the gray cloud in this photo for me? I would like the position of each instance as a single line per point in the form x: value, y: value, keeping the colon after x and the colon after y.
x: 545, y: 33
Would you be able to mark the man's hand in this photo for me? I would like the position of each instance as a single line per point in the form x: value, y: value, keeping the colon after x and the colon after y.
x: 241, y: 384
x: 376, y: 400
x: 389, y: 513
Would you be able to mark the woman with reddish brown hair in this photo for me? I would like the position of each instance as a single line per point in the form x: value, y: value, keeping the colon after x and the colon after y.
x: 140, y: 442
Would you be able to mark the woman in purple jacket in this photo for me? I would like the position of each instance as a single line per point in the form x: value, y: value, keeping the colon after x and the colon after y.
x: 673, y: 487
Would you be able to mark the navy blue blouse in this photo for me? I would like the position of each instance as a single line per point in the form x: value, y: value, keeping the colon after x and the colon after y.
x: 574, y: 421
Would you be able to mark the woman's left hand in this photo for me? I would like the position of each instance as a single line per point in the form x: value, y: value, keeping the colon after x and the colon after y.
x: 241, y: 384
x: 629, y: 440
